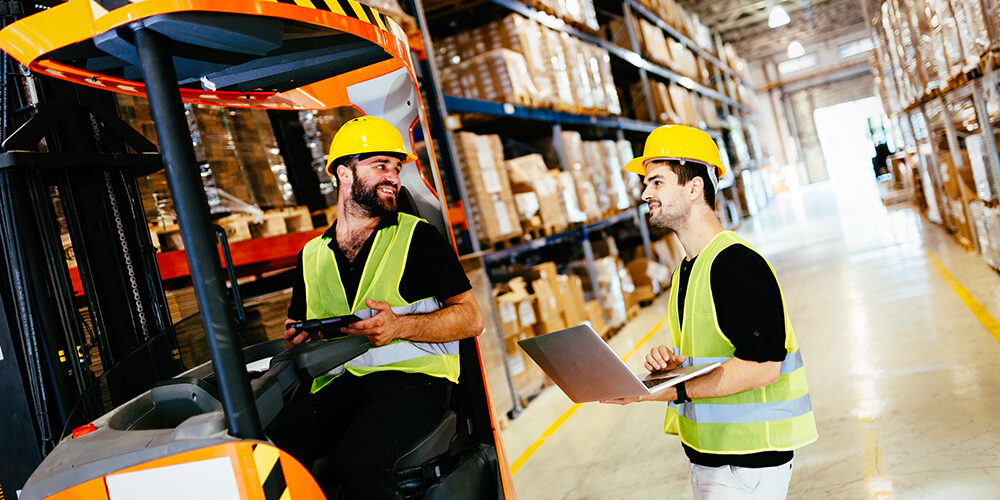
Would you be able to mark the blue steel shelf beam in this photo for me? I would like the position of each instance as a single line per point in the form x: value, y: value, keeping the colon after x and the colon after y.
x: 576, y: 233
x: 465, y: 105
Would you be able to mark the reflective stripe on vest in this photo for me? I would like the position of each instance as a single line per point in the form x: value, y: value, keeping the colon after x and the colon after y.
x: 775, y: 417
x: 325, y: 297
x: 704, y: 413
x: 792, y: 361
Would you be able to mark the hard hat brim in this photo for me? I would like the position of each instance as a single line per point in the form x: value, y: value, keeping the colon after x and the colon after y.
x: 406, y: 157
x: 638, y: 165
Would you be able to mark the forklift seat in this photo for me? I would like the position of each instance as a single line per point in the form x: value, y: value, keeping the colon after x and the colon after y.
x: 435, y: 443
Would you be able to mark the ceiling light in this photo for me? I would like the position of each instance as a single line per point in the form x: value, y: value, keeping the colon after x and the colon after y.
x: 795, y: 49
x: 777, y: 17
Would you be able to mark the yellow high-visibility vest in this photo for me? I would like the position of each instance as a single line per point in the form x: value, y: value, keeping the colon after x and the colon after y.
x: 325, y: 297
x: 776, y: 417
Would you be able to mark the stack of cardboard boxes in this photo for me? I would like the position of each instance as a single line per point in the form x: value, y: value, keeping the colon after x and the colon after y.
x: 537, y: 302
x: 490, y: 198
x: 536, y: 194
x: 500, y: 75
x: 578, y: 12
x: 558, y: 70
x: 597, y: 172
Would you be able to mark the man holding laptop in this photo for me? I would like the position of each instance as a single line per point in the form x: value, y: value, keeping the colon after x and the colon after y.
x: 739, y: 423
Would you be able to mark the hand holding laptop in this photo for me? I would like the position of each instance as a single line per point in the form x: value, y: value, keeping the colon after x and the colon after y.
x: 660, y: 359
x: 582, y: 364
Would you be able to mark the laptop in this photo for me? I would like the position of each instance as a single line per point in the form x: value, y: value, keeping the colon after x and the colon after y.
x: 583, y: 365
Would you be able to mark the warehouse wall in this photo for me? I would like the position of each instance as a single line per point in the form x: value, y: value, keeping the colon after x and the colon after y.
x: 788, y: 130
x: 802, y: 103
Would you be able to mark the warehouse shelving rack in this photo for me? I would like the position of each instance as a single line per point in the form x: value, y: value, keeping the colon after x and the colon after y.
x: 441, y: 106
x: 444, y: 104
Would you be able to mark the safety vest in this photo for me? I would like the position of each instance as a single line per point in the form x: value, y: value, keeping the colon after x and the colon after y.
x: 325, y: 297
x: 776, y: 417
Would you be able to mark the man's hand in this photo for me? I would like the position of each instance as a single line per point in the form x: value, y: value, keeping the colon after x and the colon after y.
x: 662, y: 358
x: 666, y: 395
x: 293, y: 336
x: 381, y: 328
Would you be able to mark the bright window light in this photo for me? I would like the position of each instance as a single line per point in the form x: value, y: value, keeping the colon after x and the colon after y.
x: 795, y: 49
x: 856, y: 47
x: 797, y: 64
x: 777, y: 17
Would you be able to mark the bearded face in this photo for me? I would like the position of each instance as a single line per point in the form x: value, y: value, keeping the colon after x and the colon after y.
x: 376, y: 185
x: 377, y: 197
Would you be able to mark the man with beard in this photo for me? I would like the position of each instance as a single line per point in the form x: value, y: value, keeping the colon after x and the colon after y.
x: 364, y: 415
x: 739, y: 423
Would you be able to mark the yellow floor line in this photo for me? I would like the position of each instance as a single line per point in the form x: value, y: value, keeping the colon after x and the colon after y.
x: 551, y: 429
x: 963, y: 293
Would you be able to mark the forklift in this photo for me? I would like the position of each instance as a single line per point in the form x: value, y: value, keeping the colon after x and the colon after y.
x: 199, y: 432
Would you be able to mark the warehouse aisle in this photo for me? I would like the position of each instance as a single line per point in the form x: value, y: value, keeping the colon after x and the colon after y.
x: 902, y: 373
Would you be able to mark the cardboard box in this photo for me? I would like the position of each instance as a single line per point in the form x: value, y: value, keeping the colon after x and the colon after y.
x: 530, y: 173
x: 571, y: 301
x: 491, y: 342
x: 491, y: 200
x: 595, y: 314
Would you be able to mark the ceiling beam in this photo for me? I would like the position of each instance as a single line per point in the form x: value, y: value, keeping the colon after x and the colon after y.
x: 835, y: 13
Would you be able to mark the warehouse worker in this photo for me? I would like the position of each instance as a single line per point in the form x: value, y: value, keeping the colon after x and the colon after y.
x: 374, y: 257
x: 739, y: 423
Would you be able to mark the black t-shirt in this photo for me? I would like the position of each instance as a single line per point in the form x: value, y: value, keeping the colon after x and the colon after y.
x: 432, y: 268
x: 751, y: 314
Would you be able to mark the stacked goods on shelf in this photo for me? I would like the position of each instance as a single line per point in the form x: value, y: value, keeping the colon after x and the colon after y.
x: 578, y: 12
x: 237, y: 152
x: 266, y: 315
x: 516, y: 314
x: 156, y: 200
x: 536, y: 194
x: 649, y: 278
x: 232, y: 142
x: 924, y: 46
x: 633, y: 182
x: 319, y: 127
x: 554, y: 69
x: 986, y: 220
x: 613, y: 291
x: 583, y: 175
x: 499, y: 75
x: 491, y: 201
x: 491, y: 342
x: 674, y: 15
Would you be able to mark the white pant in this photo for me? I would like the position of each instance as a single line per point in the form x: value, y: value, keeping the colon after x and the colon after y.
x: 740, y: 483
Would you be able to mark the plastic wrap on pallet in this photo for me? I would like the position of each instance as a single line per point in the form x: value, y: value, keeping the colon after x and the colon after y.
x: 596, y: 164
x: 612, y: 296
x: 579, y: 71
x: 619, y: 191
x: 633, y: 182
x: 610, y: 91
x: 571, y: 202
x: 564, y: 93
x: 972, y: 28
x: 592, y: 56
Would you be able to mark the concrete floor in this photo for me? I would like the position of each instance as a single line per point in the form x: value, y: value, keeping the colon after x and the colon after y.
x: 902, y: 372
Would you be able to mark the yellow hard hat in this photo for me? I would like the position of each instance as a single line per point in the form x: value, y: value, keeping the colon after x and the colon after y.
x: 678, y: 142
x: 367, y: 134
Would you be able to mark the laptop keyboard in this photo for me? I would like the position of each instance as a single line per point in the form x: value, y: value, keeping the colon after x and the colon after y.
x: 654, y: 382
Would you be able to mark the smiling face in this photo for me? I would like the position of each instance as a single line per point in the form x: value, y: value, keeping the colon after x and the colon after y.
x: 669, y: 202
x: 374, y: 183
